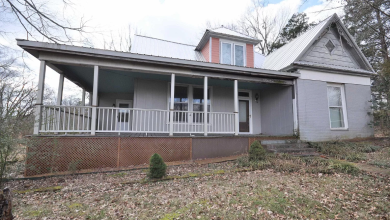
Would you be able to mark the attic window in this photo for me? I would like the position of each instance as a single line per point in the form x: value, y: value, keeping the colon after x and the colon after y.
x: 330, y: 46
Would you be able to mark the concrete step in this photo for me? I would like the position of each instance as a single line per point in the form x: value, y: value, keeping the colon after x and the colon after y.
x: 287, y: 145
x: 293, y: 150
x: 273, y: 142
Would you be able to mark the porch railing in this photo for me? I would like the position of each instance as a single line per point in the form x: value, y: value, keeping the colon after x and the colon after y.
x: 110, y: 119
x: 66, y: 119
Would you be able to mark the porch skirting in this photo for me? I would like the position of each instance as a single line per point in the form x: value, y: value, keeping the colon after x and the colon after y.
x: 60, y: 154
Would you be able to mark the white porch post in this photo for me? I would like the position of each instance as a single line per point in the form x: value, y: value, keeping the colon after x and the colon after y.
x: 295, y: 108
x: 39, y: 102
x: 94, y: 98
x: 83, y: 98
x: 236, y: 119
x: 172, y: 106
x: 60, y: 89
x: 205, y: 88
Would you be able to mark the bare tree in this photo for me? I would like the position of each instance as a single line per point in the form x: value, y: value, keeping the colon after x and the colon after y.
x: 121, y: 41
x: 17, y: 95
x: 263, y: 24
x: 38, y: 20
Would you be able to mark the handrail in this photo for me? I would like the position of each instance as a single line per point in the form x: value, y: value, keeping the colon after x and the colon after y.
x: 60, y: 118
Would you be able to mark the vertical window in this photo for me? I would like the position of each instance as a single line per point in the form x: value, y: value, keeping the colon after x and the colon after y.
x: 239, y: 55
x: 198, y: 101
x: 180, y: 103
x: 189, y: 99
x: 336, y: 104
x: 232, y: 54
x: 226, y: 53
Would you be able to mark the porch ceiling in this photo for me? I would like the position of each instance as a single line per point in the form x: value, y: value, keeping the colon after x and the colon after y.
x: 122, y: 81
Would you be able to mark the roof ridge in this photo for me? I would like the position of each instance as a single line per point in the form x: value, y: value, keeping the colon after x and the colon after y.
x: 233, y: 31
x: 165, y: 40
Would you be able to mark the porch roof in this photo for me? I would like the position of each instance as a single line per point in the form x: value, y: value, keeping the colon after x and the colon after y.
x: 36, y: 48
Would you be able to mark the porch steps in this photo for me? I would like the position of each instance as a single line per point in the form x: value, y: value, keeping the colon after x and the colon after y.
x: 291, y: 146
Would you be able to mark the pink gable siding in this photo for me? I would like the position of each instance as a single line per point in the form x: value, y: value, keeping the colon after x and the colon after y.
x: 215, y: 50
x: 249, y: 56
x: 206, y: 51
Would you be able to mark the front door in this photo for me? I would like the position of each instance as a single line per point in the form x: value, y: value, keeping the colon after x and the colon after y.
x: 244, y: 115
x: 123, y: 115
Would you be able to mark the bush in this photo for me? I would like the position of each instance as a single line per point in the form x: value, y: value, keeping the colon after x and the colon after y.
x: 157, y: 167
x: 256, y: 152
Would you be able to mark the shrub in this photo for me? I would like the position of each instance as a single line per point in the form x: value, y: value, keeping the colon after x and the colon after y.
x: 256, y: 152
x: 157, y: 167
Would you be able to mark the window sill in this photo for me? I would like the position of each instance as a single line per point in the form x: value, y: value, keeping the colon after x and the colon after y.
x: 339, y: 129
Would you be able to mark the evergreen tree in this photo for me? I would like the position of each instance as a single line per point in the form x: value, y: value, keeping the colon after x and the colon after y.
x: 298, y: 24
x: 367, y: 21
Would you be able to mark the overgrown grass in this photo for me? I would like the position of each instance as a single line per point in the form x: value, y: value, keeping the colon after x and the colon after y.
x: 344, y: 150
x: 380, y: 158
x: 288, y: 163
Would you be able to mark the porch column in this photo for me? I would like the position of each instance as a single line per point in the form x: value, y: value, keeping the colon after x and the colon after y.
x: 295, y: 108
x: 39, y: 102
x: 236, y: 119
x: 60, y: 89
x: 83, y: 98
x: 205, y: 88
x: 172, y: 106
x: 94, y: 98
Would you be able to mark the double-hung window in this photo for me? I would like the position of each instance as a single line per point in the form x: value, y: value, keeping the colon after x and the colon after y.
x: 232, y: 54
x: 189, y: 98
x: 181, y: 103
x: 337, y: 107
x: 198, y: 102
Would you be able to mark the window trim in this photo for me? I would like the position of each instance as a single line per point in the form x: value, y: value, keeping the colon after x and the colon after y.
x: 343, y: 105
x: 190, y: 102
x: 232, y: 43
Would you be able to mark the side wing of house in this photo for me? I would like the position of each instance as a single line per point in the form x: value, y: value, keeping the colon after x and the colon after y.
x: 333, y: 92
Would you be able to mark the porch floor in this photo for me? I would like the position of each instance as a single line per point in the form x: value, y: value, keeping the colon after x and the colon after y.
x: 124, y: 134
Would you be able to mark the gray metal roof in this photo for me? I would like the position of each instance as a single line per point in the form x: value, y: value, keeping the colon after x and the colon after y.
x: 162, y: 48
x: 34, y: 48
x: 290, y: 52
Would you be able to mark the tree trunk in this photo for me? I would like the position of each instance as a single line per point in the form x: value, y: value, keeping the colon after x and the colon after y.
x: 6, y: 205
x: 382, y: 36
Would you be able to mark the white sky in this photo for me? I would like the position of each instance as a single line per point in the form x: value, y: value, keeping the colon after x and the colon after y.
x: 175, y: 20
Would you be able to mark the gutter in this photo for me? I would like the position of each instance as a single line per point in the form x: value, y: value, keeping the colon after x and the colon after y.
x: 32, y: 46
x: 295, y: 66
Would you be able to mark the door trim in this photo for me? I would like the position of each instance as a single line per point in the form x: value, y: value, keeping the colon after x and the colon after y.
x: 250, y: 109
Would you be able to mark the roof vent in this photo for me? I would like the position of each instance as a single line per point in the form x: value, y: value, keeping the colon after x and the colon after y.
x: 330, y: 46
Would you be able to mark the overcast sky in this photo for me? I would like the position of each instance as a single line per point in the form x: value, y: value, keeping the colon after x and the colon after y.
x: 175, y: 20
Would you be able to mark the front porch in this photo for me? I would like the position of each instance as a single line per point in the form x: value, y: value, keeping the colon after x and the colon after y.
x: 135, y: 103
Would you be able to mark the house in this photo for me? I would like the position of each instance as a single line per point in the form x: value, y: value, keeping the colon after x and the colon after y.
x: 206, y: 100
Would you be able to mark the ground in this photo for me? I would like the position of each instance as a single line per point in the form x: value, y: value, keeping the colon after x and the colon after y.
x: 286, y: 187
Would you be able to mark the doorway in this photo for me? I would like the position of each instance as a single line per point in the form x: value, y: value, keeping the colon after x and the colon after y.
x: 123, y: 120
x: 245, y: 111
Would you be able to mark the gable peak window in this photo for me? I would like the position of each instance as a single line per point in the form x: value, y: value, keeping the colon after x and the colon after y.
x: 232, y: 53
x: 330, y: 46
